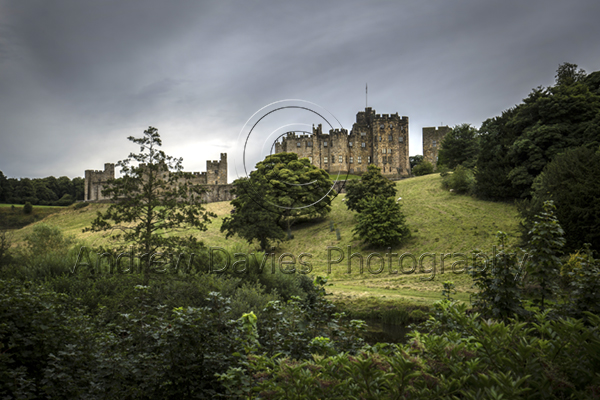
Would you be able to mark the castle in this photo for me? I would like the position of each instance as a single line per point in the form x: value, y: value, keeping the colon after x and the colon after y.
x: 215, y: 178
x: 380, y: 139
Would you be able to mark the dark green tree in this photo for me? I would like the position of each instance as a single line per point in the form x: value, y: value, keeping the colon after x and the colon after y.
x: 283, y: 190
x: 381, y: 222
x: 372, y: 183
x: 545, y: 243
x: 252, y: 220
x: 152, y: 200
x: 460, y: 146
x: 516, y: 147
x: 571, y: 181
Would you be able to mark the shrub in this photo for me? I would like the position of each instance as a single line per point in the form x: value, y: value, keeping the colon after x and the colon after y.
x: 462, y: 180
x: 423, y: 168
x: 381, y: 222
x: 81, y: 205
x: 27, y: 208
x: 66, y: 200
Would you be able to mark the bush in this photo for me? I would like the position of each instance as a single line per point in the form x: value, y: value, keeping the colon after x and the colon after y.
x: 27, y: 208
x: 66, y: 200
x: 423, y: 168
x: 462, y: 180
x: 81, y: 205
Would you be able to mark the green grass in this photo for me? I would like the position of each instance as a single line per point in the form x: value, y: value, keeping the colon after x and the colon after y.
x: 15, y: 218
x: 440, y: 222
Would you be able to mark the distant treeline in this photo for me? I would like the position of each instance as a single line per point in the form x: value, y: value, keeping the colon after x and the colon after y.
x: 43, y: 191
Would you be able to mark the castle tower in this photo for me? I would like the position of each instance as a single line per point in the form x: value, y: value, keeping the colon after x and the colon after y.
x: 216, y: 171
x: 95, y: 181
x: 432, y: 139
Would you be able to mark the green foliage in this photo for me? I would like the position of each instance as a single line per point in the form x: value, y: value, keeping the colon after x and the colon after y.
x: 582, y: 293
x: 151, y: 200
x: 499, y: 291
x: 516, y: 146
x: 46, y: 239
x: 462, y: 180
x: 372, y: 183
x: 381, y: 222
x: 448, y: 291
x: 66, y: 200
x: 482, y: 359
x: 571, y: 181
x: 5, y: 245
x: 460, y: 146
x: 27, y: 208
x: 282, y: 190
x: 414, y: 160
x: 423, y: 168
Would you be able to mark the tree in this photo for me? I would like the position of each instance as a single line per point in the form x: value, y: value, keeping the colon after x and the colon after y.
x: 516, y: 147
x: 252, y: 220
x: 545, y: 243
x: 423, y: 168
x: 571, y: 181
x: 152, y: 200
x: 381, y: 222
x: 459, y: 147
x: 281, y: 191
x: 372, y: 183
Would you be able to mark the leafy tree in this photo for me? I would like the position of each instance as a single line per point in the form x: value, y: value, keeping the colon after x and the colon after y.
x: 44, y: 194
x: 281, y: 191
x: 571, y: 181
x: 27, y: 208
x: 516, y: 147
x: 545, y: 243
x: 25, y: 191
x: 78, y: 188
x: 371, y: 183
x: 459, y: 147
x: 423, y: 168
x: 151, y: 200
x: 381, y: 222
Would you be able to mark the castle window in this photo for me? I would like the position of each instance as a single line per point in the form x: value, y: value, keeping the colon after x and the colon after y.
x: 340, y: 159
x: 333, y: 159
x: 390, y: 138
x: 383, y: 151
x: 310, y: 159
x: 363, y: 134
x: 391, y: 125
x: 380, y: 138
x: 298, y: 144
x: 363, y: 144
x: 216, y: 182
x: 351, y: 160
x: 401, y: 139
x: 325, y: 143
x: 402, y: 129
x: 369, y: 159
x: 350, y: 144
x: 325, y: 160
x: 308, y: 144
x: 382, y: 126
x: 359, y: 159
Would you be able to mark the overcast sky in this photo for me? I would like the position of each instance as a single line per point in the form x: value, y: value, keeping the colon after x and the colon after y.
x: 78, y: 77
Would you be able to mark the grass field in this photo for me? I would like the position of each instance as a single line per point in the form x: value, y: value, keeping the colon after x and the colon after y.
x: 440, y: 222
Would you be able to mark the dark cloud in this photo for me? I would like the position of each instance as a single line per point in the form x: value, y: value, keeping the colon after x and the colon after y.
x: 77, y: 78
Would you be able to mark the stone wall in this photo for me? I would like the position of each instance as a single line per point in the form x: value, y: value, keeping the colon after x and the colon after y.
x: 374, y: 139
x: 215, y: 180
x: 432, y: 138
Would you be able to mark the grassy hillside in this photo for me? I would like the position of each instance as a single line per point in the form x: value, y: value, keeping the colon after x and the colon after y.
x: 440, y: 222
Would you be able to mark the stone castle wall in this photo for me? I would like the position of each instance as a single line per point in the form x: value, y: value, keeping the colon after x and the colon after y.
x: 215, y: 180
x: 374, y: 139
x: 432, y: 139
